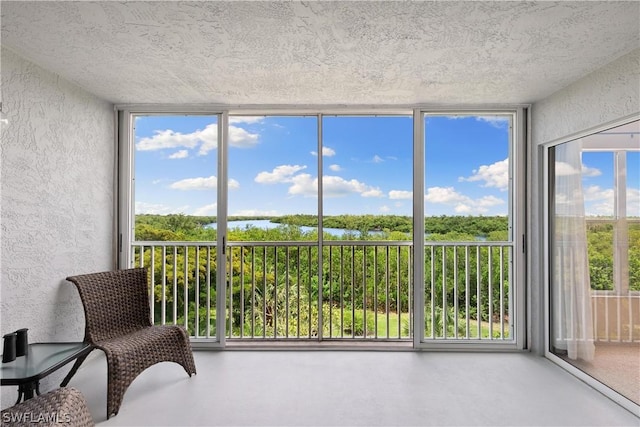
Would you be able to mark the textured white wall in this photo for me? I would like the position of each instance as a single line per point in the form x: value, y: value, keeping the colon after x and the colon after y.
x: 56, y: 198
x: 609, y: 94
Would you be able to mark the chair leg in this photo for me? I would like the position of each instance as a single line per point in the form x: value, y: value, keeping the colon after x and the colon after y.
x: 189, y: 364
x: 117, y: 385
x: 73, y: 370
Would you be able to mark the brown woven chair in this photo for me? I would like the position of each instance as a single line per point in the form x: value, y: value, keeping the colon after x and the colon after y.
x: 117, y: 315
x: 63, y: 406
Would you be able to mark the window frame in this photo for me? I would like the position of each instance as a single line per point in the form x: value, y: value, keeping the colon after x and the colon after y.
x: 517, y: 196
x: 517, y: 221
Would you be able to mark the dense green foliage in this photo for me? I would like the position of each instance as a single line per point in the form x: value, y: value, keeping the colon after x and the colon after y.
x: 601, y: 241
x: 273, y: 290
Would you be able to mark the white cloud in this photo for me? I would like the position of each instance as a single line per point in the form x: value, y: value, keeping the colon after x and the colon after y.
x: 590, y: 172
x: 206, y: 210
x: 282, y: 173
x: 158, y: 209
x: 599, y: 201
x: 495, y: 121
x: 384, y: 208
x: 207, y: 138
x: 255, y: 212
x: 495, y: 175
x: 245, y: 119
x: 168, y: 139
x: 445, y: 195
x: 182, y: 154
x: 372, y: 192
x: 335, y: 168
x: 201, y: 183
x: 463, y: 209
x: 326, y: 152
x: 400, y: 194
x: 565, y: 169
x: 595, y: 193
x: 304, y: 185
x: 462, y: 204
x: 377, y: 159
x: 241, y: 138
x: 333, y: 186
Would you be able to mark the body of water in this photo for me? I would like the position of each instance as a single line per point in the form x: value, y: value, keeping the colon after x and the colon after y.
x: 266, y: 224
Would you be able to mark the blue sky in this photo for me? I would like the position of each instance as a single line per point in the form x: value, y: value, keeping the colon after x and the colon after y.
x: 367, y: 165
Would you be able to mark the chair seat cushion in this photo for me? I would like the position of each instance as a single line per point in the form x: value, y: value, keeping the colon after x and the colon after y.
x: 147, y: 345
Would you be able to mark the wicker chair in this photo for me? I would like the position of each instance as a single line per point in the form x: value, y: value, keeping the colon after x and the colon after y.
x: 63, y: 406
x: 117, y: 315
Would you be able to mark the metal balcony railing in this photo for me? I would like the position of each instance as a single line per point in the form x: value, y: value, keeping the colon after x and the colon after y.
x: 342, y: 290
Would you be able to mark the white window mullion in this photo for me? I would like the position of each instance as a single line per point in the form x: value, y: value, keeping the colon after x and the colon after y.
x: 126, y: 194
x: 621, y: 234
x: 221, y: 221
x: 320, y: 228
x: 418, y: 227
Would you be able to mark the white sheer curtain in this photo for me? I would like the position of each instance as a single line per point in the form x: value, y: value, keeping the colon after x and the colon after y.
x: 571, y: 287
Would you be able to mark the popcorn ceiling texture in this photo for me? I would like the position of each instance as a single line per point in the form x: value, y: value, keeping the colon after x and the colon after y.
x: 319, y: 53
x: 56, y: 195
x: 607, y: 95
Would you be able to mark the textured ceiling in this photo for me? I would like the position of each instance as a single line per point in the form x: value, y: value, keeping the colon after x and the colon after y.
x: 337, y: 53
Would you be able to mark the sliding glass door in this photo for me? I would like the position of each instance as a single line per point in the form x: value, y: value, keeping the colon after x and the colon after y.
x: 169, y: 214
x: 594, y: 256
x: 272, y: 227
x: 367, y: 227
x: 468, y: 269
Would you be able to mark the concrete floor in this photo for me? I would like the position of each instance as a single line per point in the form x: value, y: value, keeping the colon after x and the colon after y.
x: 354, y: 388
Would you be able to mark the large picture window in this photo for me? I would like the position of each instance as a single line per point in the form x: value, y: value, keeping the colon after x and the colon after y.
x: 318, y: 226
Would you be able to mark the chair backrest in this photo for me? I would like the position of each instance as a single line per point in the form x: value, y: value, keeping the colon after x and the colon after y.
x: 115, y: 302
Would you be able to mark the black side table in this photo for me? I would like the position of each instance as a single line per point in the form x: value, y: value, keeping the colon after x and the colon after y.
x: 42, y: 359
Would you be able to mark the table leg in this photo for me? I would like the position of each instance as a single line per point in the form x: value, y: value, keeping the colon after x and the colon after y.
x: 73, y: 370
x: 25, y: 391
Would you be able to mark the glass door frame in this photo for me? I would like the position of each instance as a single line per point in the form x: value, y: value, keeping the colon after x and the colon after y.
x: 517, y: 224
x: 126, y: 195
x: 547, y: 181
